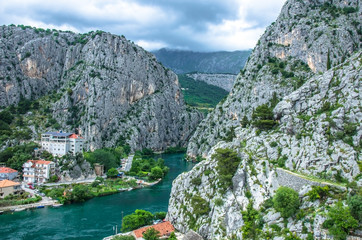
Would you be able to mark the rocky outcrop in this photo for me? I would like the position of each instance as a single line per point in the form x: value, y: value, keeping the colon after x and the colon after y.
x: 308, y: 38
x: 108, y: 88
x: 312, y: 140
x: 181, y: 61
x: 224, y: 81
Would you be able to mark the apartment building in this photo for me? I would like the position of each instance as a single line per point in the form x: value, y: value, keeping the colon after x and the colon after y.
x: 61, y: 143
x: 7, y: 173
x: 37, y: 171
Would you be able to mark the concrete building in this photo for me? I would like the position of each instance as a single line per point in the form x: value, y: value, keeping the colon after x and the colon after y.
x: 8, y: 187
x: 37, y: 171
x: 7, y: 173
x: 60, y: 143
x: 99, y: 169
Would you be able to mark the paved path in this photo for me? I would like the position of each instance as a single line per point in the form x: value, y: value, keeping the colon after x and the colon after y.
x: 89, y: 180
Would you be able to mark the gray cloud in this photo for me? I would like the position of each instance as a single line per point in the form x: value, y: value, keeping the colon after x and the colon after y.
x: 203, y: 25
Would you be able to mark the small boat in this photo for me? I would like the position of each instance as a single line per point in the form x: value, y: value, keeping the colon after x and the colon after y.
x: 57, y: 205
x: 41, y: 206
x: 19, y: 209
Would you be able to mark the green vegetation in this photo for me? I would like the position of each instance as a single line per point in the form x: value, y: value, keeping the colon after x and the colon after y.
x: 286, y: 201
x: 200, y: 205
x: 227, y: 164
x: 81, y: 192
x: 22, y: 199
x: 355, y: 206
x: 151, y: 234
x: 176, y: 149
x: 262, y: 117
x: 120, y: 237
x: 112, y: 173
x: 148, y: 168
x: 318, y: 192
x: 15, y: 157
x: 340, y: 221
x: 139, y: 219
x: 200, y: 94
x: 109, y: 157
x: 253, y: 223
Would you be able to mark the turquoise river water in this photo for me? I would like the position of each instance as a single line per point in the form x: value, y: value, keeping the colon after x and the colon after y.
x: 95, y: 218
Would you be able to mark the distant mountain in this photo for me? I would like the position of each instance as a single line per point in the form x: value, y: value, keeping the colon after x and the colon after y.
x: 204, y: 62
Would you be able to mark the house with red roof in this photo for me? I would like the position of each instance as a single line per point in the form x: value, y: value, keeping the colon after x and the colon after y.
x: 165, y: 229
x: 61, y: 143
x: 37, y: 171
x: 7, y: 173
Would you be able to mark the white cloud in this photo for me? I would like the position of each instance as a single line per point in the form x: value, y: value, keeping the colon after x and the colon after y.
x: 151, y: 45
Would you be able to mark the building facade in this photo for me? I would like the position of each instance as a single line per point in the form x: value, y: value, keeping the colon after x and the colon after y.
x: 7, y: 173
x: 59, y: 143
x: 8, y: 187
x: 37, y: 171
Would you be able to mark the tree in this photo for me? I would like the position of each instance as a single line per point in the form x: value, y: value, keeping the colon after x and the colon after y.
x: 263, y: 117
x: 340, y: 221
x: 172, y: 236
x: 80, y: 193
x: 227, y: 164
x: 112, y: 173
x: 156, y: 173
x: 124, y: 237
x: 137, y: 219
x: 286, y: 201
x: 355, y: 205
x: 151, y: 234
x: 160, y: 215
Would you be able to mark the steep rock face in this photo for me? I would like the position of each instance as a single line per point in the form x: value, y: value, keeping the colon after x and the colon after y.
x: 307, y: 38
x: 308, y: 141
x: 224, y: 81
x: 107, y: 87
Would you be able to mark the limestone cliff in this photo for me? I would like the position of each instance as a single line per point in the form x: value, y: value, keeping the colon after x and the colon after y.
x: 311, y: 140
x: 308, y: 63
x: 105, y: 86
x: 308, y: 37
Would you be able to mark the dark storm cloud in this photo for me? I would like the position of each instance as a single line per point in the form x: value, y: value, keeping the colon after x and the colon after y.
x: 196, y: 25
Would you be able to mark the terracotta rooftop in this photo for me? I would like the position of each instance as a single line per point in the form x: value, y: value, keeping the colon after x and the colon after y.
x: 8, y: 183
x: 7, y: 170
x: 43, y: 162
x: 74, y: 136
x: 164, y: 228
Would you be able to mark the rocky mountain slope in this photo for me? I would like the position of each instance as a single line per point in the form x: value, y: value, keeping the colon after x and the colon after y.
x: 319, y: 134
x: 306, y: 73
x: 102, y: 84
x: 308, y: 37
x: 204, y: 62
x: 224, y: 81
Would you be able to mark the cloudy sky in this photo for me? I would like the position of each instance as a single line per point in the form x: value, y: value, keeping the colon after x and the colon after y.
x: 199, y: 25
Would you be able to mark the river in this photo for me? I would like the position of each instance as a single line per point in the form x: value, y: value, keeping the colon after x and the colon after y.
x: 95, y: 218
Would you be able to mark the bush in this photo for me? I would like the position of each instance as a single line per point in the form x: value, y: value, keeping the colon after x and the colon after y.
x: 263, y: 117
x: 318, y: 192
x: 219, y: 202
x: 286, y: 201
x: 355, y: 205
x: 340, y: 221
x: 112, y: 173
x: 227, y: 164
x: 136, y: 220
x: 160, y: 215
x: 128, y: 237
x: 196, y: 181
x: 200, y: 205
x: 156, y: 173
x: 151, y: 234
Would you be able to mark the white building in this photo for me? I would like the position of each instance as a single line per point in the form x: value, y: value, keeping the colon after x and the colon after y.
x: 59, y: 143
x: 7, y: 173
x: 37, y: 171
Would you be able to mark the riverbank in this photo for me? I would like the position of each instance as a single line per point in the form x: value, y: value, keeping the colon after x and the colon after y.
x: 47, y: 202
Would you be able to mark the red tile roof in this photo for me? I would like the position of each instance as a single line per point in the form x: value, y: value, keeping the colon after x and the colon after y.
x: 43, y: 162
x: 7, y: 170
x: 74, y: 136
x: 165, y: 228
x: 8, y: 183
